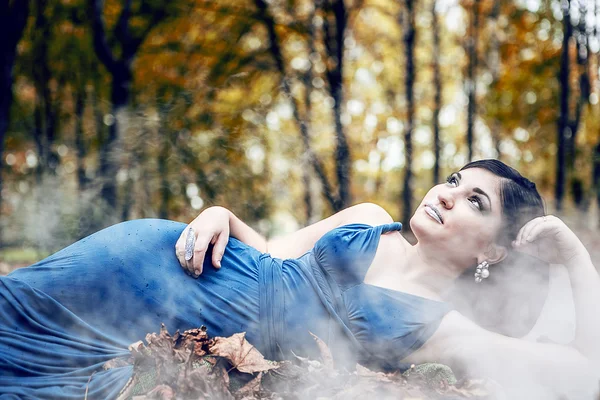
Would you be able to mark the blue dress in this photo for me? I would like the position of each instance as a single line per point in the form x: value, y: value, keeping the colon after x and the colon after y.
x: 63, y: 317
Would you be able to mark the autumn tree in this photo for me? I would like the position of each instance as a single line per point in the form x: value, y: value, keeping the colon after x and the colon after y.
x: 129, y: 32
x: 564, y: 123
x: 437, y: 83
x: 583, y: 86
x: 13, y: 17
x: 471, y: 78
x: 494, y: 65
x: 335, y: 18
x: 409, y: 82
x: 48, y: 99
x: 301, y: 121
x: 334, y: 29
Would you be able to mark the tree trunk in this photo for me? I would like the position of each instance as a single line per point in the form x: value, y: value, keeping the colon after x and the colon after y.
x: 122, y: 76
x: 564, y: 130
x: 471, y: 85
x: 46, y: 108
x: 577, y: 185
x: 596, y: 174
x: 163, y: 171
x: 13, y: 18
x: 99, y: 112
x: 80, y: 146
x: 275, y: 50
x: 111, y: 151
x: 81, y: 153
x: 307, y: 80
x: 494, y: 65
x: 437, y: 84
x: 409, y: 81
x: 334, y: 43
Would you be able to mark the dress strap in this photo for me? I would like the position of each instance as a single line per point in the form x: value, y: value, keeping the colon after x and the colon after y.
x: 393, y: 226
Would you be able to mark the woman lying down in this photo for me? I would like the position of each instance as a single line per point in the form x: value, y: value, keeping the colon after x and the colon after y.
x: 351, y: 279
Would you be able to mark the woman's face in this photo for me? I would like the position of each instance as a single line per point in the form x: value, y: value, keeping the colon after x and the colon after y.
x: 459, y: 220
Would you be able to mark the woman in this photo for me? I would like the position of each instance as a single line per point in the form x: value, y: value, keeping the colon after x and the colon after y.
x: 351, y: 279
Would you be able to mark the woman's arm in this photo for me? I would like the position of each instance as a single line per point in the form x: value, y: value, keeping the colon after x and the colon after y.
x: 525, y: 370
x: 585, y: 284
x: 528, y: 369
x: 549, y: 239
x: 215, y: 224
x: 297, y: 243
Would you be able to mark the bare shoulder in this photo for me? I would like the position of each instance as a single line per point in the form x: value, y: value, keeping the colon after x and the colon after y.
x: 367, y: 213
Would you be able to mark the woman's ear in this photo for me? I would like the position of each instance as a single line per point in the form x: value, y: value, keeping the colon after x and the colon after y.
x: 495, y: 253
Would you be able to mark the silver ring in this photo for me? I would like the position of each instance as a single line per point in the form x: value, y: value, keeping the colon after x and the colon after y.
x: 189, y: 244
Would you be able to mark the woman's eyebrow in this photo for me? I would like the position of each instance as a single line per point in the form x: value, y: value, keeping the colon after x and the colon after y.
x: 478, y: 190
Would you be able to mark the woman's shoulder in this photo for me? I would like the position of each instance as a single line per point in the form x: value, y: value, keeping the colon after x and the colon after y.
x: 368, y: 214
x: 356, y: 226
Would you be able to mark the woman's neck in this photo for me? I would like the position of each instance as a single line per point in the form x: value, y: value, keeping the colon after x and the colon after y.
x: 435, y: 274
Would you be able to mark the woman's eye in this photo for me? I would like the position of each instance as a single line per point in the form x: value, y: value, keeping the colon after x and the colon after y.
x: 451, y: 180
x: 476, y: 201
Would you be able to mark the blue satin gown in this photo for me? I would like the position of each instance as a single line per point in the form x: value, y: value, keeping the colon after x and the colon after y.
x: 62, y: 318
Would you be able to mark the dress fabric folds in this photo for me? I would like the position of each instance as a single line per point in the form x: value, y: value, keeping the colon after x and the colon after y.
x: 62, y: 318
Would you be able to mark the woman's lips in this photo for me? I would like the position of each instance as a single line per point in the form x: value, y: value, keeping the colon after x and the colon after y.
x: 434, y: 213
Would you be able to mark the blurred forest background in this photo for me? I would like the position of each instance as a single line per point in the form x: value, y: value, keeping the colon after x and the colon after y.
x: 285, y: 111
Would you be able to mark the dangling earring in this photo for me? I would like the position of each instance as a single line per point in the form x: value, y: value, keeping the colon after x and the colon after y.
x: 482, y: 271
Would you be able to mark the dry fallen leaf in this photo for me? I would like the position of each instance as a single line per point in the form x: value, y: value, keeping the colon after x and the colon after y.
x: 190, y: 365
x: 250, y: 389
x: 366, y: 372
x: 324, y: 350
x: 241, y: 354
x: 204, y: 381
x: 161, y: 392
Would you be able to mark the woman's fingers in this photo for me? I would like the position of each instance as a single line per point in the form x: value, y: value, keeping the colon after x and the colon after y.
x: 180, y: 250
x: 537, y: 240
x: 540, y: 230
x: 525, y: 231
x: 219, y: 249
x: 209, y: 229
x: 195, y: 264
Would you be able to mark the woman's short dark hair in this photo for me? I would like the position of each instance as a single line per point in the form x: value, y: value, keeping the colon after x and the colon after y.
x: 511, y: 299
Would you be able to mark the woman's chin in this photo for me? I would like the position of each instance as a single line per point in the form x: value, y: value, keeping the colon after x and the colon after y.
x: 423, y: 226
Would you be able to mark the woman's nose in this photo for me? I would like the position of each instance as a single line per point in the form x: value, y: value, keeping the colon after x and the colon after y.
x: 446, y: 199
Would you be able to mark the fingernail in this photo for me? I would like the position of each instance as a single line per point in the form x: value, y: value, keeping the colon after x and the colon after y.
x: 197, y: 273
x: 219, y: 263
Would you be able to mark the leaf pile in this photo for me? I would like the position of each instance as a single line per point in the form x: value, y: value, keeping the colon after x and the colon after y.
x: 190, y: 365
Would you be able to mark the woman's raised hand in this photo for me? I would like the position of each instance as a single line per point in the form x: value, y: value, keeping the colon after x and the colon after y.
x: 210, y: 227
x: 549, y: 239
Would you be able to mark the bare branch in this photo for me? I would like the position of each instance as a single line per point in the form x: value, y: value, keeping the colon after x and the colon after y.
x: 99, y: 35
x: 132, y: 47
x: 122, y: 27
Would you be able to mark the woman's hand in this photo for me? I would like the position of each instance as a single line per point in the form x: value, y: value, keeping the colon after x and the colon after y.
x: 549, y: 239
x: 210, y: 227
